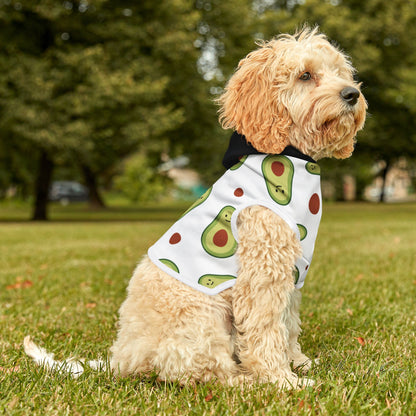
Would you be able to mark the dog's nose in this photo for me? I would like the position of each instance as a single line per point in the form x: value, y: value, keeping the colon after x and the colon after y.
x: 350, y: 95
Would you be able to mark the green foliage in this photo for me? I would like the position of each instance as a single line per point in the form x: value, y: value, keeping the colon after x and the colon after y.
x: 93, y: 83
x: 81, y: 89
x: 139, y: 181
x: 224, y: 36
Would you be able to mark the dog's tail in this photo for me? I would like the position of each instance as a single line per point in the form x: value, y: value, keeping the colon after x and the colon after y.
x: 71, y: 365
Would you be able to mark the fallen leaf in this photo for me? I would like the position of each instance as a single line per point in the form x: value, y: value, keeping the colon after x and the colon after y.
x: 10, y: 287
x: 43, y: 267
x: 91, y: 305
x: 209, y: 396
x: 349, y: 312
x: 359, y: 277
x: 310, y: 314
x: 301, y: 404
x: 20, y: 285
x: 361, y: 341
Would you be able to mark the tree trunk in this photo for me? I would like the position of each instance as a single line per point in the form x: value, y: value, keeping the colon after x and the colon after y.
x: 95, y: 199
x: 42, y: 185
x: 384, y: 177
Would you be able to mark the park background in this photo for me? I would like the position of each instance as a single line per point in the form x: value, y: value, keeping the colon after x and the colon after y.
x: 119, y: 96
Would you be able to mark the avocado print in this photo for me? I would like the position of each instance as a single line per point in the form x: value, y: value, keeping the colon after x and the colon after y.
x: 213, y: 280
x: 242, y: 159
x: 278, y: 172
x: 217, y: 239
x: 313, y: 168
x: 302, y: 231
x: 199, y: 201
x: 170, y: 264
x: 296, y: 274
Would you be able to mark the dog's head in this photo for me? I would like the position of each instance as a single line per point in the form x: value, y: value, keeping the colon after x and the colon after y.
x: 295, y: 90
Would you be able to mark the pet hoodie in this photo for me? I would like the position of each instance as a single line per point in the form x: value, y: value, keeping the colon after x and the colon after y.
x: 200, y: 248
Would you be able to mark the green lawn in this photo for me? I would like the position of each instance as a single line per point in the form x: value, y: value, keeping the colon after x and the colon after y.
x: 62, y: 282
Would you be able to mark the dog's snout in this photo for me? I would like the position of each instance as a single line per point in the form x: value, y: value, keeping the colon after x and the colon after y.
x: 350, y: 95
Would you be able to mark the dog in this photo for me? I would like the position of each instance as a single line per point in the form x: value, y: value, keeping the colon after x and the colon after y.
x: 217, y: 297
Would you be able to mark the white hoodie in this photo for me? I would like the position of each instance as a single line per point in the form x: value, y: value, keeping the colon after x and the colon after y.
x: 199, y: 249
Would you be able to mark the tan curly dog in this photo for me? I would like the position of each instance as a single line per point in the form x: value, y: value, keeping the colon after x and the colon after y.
x: 293, y: 92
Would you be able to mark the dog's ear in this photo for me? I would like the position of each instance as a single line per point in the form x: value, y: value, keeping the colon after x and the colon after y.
x: 251, y: 104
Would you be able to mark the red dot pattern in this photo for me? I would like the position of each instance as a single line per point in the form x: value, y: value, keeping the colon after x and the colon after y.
x: 175, y: 238
x: 238, y: 192
x: 314, y: 204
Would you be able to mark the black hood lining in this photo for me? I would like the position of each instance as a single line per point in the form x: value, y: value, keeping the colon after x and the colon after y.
x: 239, y: 146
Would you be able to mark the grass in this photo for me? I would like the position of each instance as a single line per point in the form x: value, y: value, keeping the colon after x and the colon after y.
x: 62, y: 282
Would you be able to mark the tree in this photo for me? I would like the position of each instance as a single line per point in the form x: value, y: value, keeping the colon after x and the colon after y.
x: 222, y: 34
x: 85, y: 83
x: 90, y: 83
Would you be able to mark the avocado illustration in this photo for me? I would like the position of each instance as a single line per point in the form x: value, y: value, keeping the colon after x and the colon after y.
x: 213, y: 280
x: 199, y: 201
x: 170, y: 264
x: 217, y: 239
x: 296, y: 274
x: 278, y: 172
x: 242, y: 159
x: 313, y: 168
x: 303, y: 231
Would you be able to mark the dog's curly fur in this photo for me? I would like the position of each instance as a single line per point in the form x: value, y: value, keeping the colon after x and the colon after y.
x: 248, y: 332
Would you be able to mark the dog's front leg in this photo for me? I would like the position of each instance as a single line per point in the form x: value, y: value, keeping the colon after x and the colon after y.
x: 267, y: 251
x: 300, y: 361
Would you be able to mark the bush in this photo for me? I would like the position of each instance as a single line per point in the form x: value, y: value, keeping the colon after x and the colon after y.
x: 140, y: 181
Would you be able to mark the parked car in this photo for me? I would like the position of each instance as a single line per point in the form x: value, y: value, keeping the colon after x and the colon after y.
x: 68, y: 191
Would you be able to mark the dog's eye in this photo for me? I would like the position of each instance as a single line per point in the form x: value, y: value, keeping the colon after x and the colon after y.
x: 306, y: 76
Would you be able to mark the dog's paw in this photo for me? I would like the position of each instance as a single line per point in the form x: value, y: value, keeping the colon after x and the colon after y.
x: 304, y: 364
x: 306, y: 382
x: 297, y: 383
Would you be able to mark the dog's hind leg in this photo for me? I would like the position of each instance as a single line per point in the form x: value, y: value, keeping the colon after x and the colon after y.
x: 267, y: 252
x: 173, y: 329
x: 198, y: 349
